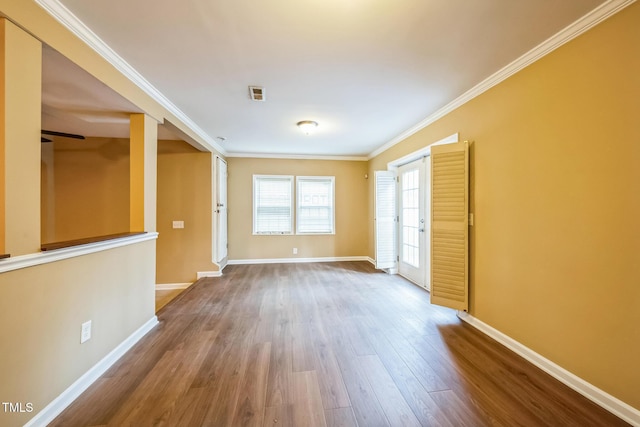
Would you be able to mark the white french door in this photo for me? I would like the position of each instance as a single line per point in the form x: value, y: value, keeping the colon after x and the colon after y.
x: 413, y: 224
x: 220, y: 210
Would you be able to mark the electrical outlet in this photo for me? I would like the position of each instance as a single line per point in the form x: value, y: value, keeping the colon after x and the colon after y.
x: 85, y: 334
x: 178, y: 224
x: 295, y: 251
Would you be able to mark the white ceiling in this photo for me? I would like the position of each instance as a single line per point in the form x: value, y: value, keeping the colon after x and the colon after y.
x: 365, y: 70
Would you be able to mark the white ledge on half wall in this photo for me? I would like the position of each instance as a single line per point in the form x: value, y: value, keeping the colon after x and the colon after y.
x: 38, y: 258
x: 588, y: 390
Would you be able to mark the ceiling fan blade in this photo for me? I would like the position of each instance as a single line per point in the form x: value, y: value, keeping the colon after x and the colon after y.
x: 63, y: 134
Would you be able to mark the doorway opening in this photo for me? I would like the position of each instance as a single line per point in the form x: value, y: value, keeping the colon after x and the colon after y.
x: 413, y: 221
x: 412, y: 241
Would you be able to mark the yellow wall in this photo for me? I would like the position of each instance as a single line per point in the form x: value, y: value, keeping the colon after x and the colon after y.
x: 351, y: 238
x: 89, y: 195
x: 42, y: 309
x: 184, y: 194
x: 20, y: 76
x: 555, y: 249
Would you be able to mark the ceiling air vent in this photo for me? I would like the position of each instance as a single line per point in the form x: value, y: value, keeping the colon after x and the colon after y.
x: 256, y: 93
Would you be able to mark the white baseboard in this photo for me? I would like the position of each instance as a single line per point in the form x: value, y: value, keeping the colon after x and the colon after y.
x: 371, y: 261
x: 296, y: 260
x: 67, y: 397
x: 202, y: 274
x: 222, y: 264
x: 591, y: 392
x: 171, y: 286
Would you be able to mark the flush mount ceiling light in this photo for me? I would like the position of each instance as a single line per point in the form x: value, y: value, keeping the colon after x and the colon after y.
x: 307, y: 126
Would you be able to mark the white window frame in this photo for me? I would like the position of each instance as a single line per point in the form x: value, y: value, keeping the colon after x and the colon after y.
x: 256, y: 178
x: 332, y: 179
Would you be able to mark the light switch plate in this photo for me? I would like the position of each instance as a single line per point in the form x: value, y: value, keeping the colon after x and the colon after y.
x: 178, y: 224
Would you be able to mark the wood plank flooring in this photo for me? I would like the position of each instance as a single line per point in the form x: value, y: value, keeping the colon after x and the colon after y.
x: 164, y: 297
x: 335, y: 344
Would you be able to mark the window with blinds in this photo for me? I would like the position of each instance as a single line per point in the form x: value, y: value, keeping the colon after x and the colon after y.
x: 272, y: 204
x: 315, y: 205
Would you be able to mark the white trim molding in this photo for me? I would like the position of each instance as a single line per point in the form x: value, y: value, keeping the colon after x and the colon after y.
x: 171, y: 286
x: 588, y: 21
x: 201, y: 274
x: 296, y: 260
x: 65, y: 17
x: 591, y: 392
x: 67, y: 397
x: 298, y: 157
x: 30, y: 260
x: 222, y: 264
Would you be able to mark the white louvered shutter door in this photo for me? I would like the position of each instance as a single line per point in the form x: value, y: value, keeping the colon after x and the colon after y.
x: 449, y: 225
x: 385, y: 220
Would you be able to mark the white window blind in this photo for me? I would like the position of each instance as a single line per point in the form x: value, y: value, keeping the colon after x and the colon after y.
x: 272, y: 204
x: 315, y: 213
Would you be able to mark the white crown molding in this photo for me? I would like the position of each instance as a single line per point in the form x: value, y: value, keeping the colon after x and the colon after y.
x: 298, y: 157
x: 591, y: 19
x: 67, y: 397
x: 77, y: 27
x: 588, y: 390
x: 31, y: 260
x: 296, y: 260
x: 65, y: 17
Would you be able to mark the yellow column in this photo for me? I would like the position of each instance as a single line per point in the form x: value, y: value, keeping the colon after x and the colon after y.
x: 143, y: 173
x: 20, y: 110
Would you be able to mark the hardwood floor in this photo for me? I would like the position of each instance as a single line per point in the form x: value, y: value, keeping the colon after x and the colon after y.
x: 164, y: 297
x: 336, y: 344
